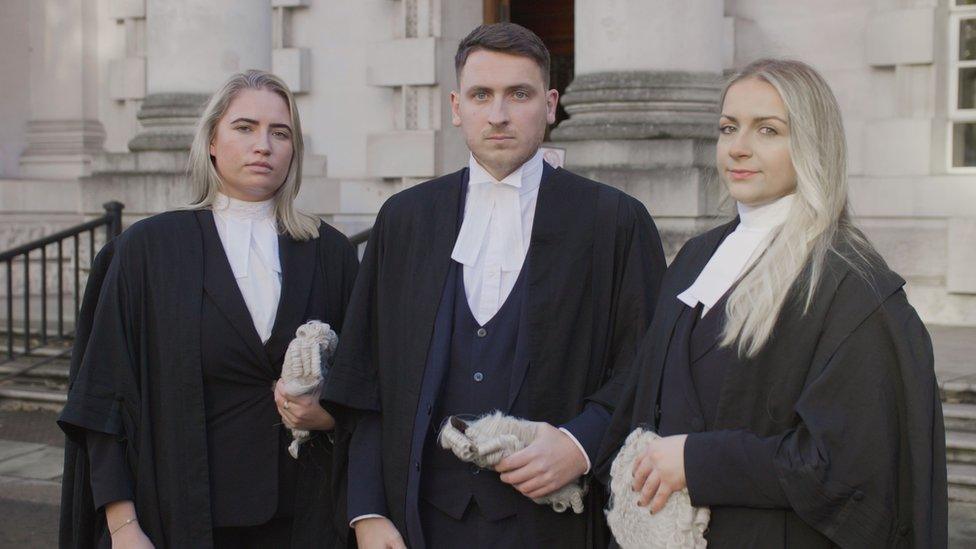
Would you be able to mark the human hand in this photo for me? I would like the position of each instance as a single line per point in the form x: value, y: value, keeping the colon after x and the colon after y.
x: 377, y: 533
x: 552, y: 461
x: 131, y: 536
x: 304, y: 411
x: 659, y: 471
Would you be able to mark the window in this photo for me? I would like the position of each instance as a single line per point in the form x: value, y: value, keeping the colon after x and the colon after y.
x: 962, y: 87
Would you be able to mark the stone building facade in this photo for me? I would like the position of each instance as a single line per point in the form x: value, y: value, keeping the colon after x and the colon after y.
x: 98, y: 100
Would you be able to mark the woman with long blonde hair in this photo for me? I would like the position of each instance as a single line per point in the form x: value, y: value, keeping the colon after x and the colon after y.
x: 789, y: 378
x: 176, y: 427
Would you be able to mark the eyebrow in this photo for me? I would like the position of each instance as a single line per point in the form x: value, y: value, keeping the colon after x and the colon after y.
x: 513, y: 87
x: 758, y: 119
x: 255, y: 122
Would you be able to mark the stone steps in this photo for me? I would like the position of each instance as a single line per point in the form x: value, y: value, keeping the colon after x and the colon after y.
x: 962, y: 482
x: 961, y: 447
x: 959, y: 417
x: 41, y: 386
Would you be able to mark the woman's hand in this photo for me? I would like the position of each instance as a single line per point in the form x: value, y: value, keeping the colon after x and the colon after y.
x: 120, y: 519
x: 131, y: 536
x: 659, y: 471
x: 303, y: 412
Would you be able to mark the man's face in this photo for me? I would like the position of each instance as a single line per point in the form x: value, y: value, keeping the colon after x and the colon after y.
x: 503, y: 107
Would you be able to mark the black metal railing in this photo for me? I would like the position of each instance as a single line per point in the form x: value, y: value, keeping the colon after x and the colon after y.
x: 359, y: 241
x: 111, y: 221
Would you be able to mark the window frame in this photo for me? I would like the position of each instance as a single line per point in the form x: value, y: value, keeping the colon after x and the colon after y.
x: 958, y: 14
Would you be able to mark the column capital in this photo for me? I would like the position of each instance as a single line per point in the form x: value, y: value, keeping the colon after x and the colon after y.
x: 640, y: 105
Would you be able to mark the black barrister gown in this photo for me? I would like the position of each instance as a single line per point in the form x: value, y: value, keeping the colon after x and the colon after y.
x: 136, y: 374
x: 594, y: 264
x: 831, y: 436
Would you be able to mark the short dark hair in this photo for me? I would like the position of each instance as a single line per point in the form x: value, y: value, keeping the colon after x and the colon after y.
x: 505, y: 38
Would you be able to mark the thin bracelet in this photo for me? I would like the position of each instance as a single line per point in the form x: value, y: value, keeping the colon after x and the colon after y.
x: 123, y: 525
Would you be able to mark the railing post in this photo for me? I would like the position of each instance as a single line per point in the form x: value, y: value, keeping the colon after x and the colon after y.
x: 114, y: 209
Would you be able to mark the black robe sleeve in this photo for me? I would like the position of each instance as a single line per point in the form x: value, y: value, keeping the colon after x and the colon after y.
x: 639, y: 265
x: 79, y: 522
x: 110, y: 478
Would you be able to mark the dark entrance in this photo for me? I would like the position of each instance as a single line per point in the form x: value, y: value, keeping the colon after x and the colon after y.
x: 552, y: 20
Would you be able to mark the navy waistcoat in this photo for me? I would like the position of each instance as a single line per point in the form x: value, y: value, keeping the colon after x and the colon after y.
x: 478, y: 380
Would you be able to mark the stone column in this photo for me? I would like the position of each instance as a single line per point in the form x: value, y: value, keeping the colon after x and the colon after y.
x: 192, y: 46
x: 63, y: 133
x: 643, y: 104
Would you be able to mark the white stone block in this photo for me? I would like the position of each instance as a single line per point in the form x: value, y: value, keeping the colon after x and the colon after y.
x: 900, y: 37
x: 401, y: 154
x: 962, y: 255
x: 293, y: 66
x: 728, y: 43
x: 404, y: 62
x: 127, y: 9
x: 897, y: 146
x: 127, y: 78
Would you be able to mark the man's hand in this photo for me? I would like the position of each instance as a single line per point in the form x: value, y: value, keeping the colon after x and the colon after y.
x: 377, y: 533
x: 303, y: 412
x: 659, y: 471
x: 552, y: 461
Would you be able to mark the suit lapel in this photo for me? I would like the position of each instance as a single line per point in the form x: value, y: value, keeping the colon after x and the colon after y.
x: 219, y: 283
x: 298, y: 266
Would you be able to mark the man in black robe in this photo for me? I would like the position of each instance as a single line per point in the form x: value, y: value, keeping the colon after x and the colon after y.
x: 508, y: 285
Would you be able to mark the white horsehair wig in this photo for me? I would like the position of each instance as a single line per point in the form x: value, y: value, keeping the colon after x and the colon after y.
x: 819, y: 220
x: 204, y: 179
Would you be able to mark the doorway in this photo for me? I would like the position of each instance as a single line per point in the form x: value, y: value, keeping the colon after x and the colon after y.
x: 553, y: 21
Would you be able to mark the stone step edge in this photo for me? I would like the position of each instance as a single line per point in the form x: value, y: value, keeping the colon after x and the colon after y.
x: 32, y: 395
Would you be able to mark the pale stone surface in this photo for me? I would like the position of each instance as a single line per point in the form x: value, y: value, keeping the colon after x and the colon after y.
x: 898, y: 146
x: 629, y: 35
x: 403, y: 153
x: 408, y: 61
x: 293, y: 66
x: 191, y: 48
x: 15, y: 97
x: 45, y: 463
x: 901, y: 36
x: 962, y: 255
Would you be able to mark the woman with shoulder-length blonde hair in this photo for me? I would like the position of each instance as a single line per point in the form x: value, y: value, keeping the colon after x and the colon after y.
x: 788, y: 377
x: 176, y: 426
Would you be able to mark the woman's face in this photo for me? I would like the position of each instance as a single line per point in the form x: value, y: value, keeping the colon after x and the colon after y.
x: 252, y: 145
x: 753, y: 151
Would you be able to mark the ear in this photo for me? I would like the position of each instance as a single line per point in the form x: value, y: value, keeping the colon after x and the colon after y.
x: 552, y: 100
x: 455, y: 109
x: 212, y: 153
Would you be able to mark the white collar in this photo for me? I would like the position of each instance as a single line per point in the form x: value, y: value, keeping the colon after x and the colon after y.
x: 241, y: 224
x: 526, y: 178
x: 765, y: 217
x: 737, y: 252
x: 498, y: 204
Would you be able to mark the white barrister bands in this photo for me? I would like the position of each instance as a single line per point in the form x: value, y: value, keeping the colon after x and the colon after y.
x: 678, y: 525
x: 305, y: 366
x: 493, y: 437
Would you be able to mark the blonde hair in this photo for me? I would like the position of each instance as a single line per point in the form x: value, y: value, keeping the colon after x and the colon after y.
x: 205, y: 180
x: 819, y: 222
